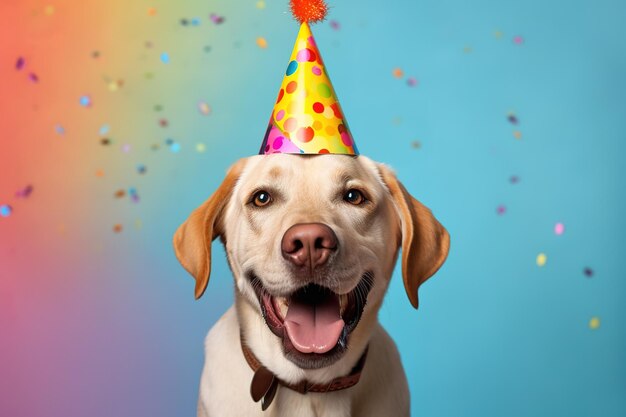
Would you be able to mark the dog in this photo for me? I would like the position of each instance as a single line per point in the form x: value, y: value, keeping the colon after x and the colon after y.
x: 312, y: 241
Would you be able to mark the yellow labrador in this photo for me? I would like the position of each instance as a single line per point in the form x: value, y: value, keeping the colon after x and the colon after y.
x: 312, y: 241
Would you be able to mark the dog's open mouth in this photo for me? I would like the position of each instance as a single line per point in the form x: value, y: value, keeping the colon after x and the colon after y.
x: 313, y: 322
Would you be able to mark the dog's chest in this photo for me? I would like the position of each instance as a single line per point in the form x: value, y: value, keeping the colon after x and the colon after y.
x: 290, y: 403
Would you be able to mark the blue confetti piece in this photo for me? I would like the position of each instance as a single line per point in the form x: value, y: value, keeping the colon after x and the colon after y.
x: 85, y: 101
x: 175, y: 147
x: 5, y: 210
x: 104, y: 129
x: 59, y: 129
x: 195, y: 21
x: 165, y: 58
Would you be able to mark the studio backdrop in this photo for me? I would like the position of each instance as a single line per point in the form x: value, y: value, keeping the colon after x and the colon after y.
x: 507, y: 119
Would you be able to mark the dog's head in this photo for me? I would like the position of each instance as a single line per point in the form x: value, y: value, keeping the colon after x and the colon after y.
x: 312, y: 242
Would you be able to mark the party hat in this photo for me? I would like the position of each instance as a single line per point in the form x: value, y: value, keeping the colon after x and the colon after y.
x: 307, y: 118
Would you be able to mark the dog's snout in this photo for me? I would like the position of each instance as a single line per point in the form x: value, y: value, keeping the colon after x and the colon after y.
x: 308, y: 244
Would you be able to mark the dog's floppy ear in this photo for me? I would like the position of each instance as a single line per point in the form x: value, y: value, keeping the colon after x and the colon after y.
x: 425, y: 242
x: 192, y: 240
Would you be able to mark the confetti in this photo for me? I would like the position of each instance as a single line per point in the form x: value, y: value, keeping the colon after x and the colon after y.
x: 24, y: 192
x: 468, y: 49
x: 260, y: 4
x: 33, y: 77
x: 85, y: 101
x: 541, y: 259
x: 497, y: 34
x: 141, y: 169
x: 100, y: 173
x: 200, y: 147
x: 152, y: 11
x: 398, y: 73
x: 105, y: 141
x: 261, y: 42
x: 501, y: 209
x: 165, y: 58
x: 138, y: 224
x: 169, y: 141
x: 218, y: 20
x: 120, y: 193
x: 163, y: 122
x: 158, y: 107
x: 5, y: 210
x: 95, y: 54
x: 117, y: 228
x: 148, y: 44
x: 149, y: 75
x: 104, y: 129
x: 559, y: 228
x: 207, y: 48
x: 175, y: 147
x: 19, y: 64
x: 126, y: 148
x: 335, y: 25
x: 184, y: 22
x: 115, y: 85
x: 195, y: 21
x: 59, y: 129
x: 517, y: 134
x: 204, y: 108
x: 411, y: 81
x: 588, y: 272
x: 512, y: 118
x: 416, y: 144
x: 514, y: 179
x: 48, y: 10
x: 518, y: 40
x: 594, y: 323
x: 134, y: 197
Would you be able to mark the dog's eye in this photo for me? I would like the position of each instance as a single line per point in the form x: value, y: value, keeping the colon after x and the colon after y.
x: 354, y: 197
x: 261, y: 198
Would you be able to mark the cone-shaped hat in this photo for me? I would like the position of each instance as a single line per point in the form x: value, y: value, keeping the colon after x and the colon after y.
x: 307, y: 118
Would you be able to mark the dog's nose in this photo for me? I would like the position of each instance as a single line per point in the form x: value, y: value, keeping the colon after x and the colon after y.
x: 308, y: 244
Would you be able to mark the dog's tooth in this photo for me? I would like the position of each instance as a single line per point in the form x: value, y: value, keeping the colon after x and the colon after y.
x: 283, y: 305
x: 343, y: 302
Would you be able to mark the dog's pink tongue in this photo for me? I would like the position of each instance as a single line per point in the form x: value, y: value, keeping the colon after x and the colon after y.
x: 314, y: 327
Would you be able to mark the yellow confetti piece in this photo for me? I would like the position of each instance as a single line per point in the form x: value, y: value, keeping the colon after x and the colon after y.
x: 468, y: 49
x: 49, y: 10
x: 517, y: 134
x: 594, y: 323
x: 398, y: 73
x: 260, y: 4
x: 498, y: 34
x: 200, y: 147
x: 541, y: 259
x: 138, y: 224
x: 261, y: 42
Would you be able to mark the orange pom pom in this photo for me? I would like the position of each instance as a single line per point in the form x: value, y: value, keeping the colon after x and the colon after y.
x: 309, y: 11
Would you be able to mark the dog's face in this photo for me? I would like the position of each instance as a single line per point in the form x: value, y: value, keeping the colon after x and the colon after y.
x: 312, y: 242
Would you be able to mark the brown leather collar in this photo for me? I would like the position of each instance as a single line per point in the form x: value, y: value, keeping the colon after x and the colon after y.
x: 264, y: 383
